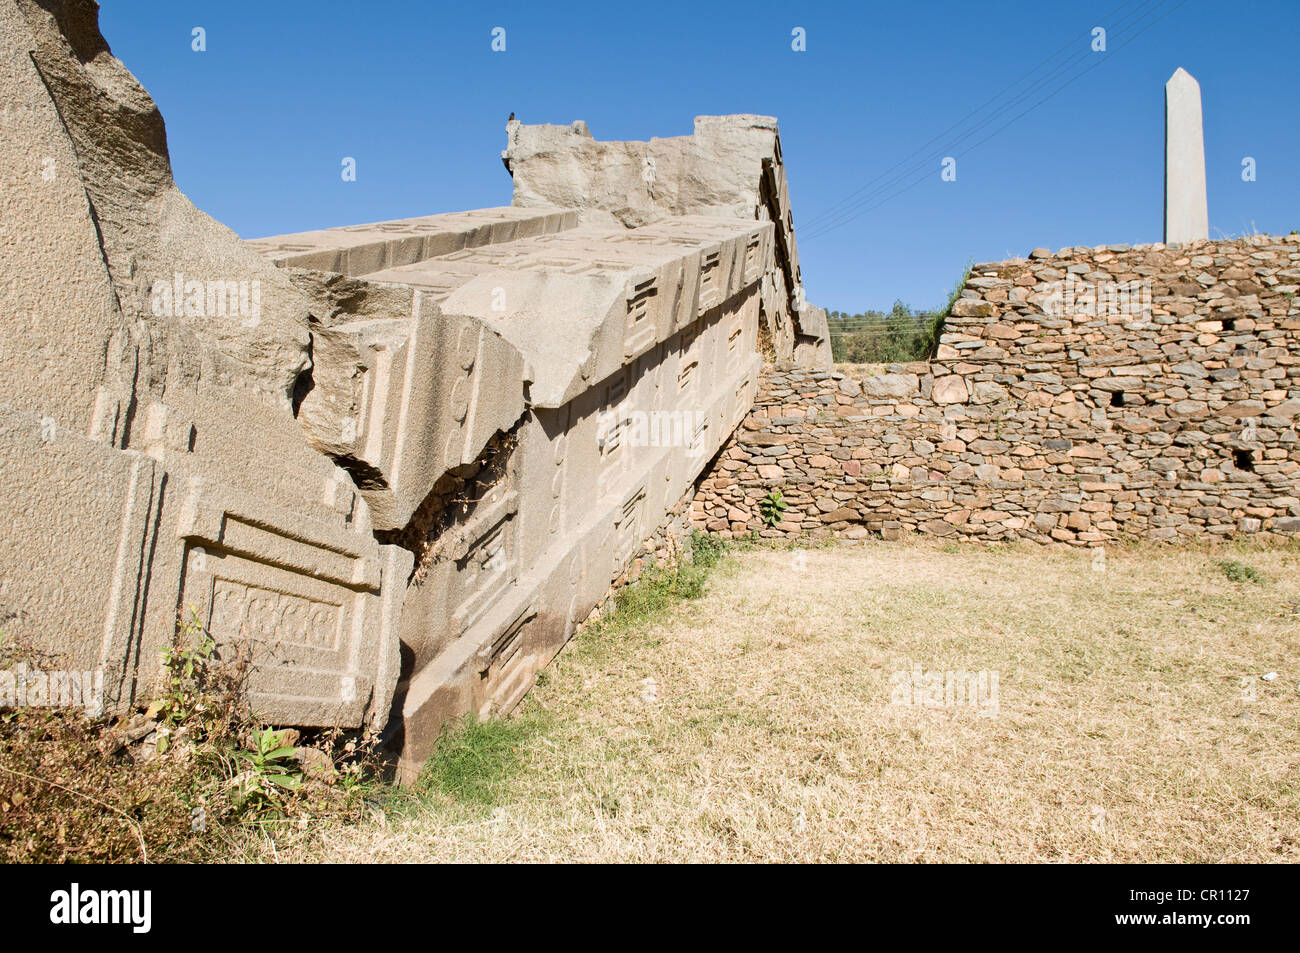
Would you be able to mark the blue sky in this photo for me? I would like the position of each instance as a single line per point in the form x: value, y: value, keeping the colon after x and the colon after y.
x: 259, y: 123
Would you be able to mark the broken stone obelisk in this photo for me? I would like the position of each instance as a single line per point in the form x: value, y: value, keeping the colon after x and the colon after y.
x: 1186, y: 216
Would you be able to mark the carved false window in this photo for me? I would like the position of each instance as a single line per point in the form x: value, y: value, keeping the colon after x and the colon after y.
x: 710, y: 275
x: 639, y: 332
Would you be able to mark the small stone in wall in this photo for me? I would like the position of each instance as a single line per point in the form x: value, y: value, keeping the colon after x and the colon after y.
x: 987, y: 392
x: 841, y: 515
x: 972, y: 308
x: 938, y: 527
x: 949, y: 390
x: 890, y: 385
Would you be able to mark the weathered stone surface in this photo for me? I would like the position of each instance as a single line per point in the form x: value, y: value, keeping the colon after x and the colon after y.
x: 401, y: 461
x: 730, y: 167
x: 577, y: 376
x: 159, y: 395
x: 972, y: 308
x: 890, y: 385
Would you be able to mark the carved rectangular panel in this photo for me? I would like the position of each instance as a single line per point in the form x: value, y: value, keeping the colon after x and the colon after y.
x: 503, y: 670
x: 311, y: 600
x: 611, y: 434
x: 559, y: 449
x: 686, y: 376
x: 754, y: 257
x: 699, y: 436
x: 735, y: 338
x: 485, y: 555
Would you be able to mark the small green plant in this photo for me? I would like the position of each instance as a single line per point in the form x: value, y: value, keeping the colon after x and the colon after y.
x: 707, y: 550
x: 1239, y: 571
x: 772, y: 507
x: 997, y: 424
x: 953, y: 295
x: 271, y: 772
x: 657, y: 590
x: 185, y: 779
x: 184, y: 667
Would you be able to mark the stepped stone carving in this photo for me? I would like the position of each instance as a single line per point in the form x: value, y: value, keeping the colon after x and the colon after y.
x: 400, y: 461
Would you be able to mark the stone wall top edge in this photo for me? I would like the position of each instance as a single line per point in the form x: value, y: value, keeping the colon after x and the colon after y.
x: 1070, y: 252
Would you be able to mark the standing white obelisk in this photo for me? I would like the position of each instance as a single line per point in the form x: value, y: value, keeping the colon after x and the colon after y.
x: 1187, y: 216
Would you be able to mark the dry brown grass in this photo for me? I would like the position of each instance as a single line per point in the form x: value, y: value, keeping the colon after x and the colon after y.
x: 1124, y: 731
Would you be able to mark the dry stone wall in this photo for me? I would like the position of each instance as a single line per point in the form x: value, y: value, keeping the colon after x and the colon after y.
x: 1078, y: 397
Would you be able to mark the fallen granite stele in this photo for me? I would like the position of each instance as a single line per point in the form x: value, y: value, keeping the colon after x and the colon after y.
x: 402, y: 460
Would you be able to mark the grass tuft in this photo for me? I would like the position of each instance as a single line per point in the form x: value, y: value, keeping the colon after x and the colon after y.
x: 475, y: 761
x: 1238, y: 571
x: 660, y: 588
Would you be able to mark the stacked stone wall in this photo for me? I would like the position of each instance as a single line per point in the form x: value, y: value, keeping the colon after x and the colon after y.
x: 1089, y: 395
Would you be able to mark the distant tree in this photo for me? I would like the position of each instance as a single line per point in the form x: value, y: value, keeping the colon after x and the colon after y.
x: 875, y: 337
x: 899, y: 337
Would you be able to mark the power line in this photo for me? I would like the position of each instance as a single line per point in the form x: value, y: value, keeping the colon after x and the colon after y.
x: 924, y: 319
x: 846, y: 210
x: 831, y: 212
x: 854, y: 209
x: 851, y: 214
